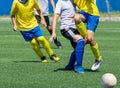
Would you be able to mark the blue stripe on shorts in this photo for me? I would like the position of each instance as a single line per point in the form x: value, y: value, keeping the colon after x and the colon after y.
x: 34, y: 33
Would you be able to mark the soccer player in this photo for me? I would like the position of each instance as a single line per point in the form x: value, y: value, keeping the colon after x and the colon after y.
x: 45, y: 10
x: 90, y: 15
x: 65, y: 10
x: 23, y: 19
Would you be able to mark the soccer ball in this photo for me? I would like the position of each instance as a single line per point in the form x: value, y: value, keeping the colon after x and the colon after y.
x: 108, y: 80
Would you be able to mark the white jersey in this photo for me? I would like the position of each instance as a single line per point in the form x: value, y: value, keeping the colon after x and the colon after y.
x: 66, y: 11
x: 44, y: 7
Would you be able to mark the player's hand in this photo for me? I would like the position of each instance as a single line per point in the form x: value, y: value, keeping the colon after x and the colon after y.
x: 44, y: 23
x: 52, y: 38
x: 15, y: 28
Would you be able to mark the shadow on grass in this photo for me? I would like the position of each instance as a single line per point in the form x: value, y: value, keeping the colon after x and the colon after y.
x: 34, y: 62
x: 63, y: 69
x: 89, y: 70
x: 27, y: 61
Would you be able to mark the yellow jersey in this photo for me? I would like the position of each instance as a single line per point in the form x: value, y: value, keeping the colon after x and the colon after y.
x: 89, y: 6
x: 24, y: 14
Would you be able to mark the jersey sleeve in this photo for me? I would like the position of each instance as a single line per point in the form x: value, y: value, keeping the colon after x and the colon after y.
x: 36, y: 5
x: 58, y: 8
x: 13, y: 8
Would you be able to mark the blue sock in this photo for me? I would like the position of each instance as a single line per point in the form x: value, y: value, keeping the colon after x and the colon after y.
x: 72, y: 59
x: 80, y: 51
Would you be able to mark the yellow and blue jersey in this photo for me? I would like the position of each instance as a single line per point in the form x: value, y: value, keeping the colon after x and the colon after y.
x: 24, y: 14
x: 89, y: 6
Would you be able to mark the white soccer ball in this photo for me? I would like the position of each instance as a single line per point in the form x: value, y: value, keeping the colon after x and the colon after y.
x: 108, y: 80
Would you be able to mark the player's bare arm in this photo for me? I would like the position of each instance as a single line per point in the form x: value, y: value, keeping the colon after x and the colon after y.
x: 53, y: 36
x: 14, y: 22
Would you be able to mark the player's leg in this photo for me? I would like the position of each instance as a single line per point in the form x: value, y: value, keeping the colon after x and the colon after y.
x: 72, y: 60
x: 78, y: 44
x: 47, y: 47
x: 91, y: 26
x: 45, y: 44
x: 82, y: 29
x: 79, y: 18
x: 79, y: 55
x: 92, y: 22
x: 30, y: 38
x: 70, y: 65
x: 95, y: 50
x: 93, y: 44
x: 37, y: 50
x: 40, y: 38
x: 49, y: 28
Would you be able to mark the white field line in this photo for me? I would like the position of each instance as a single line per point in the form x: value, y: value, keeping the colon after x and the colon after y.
x: 101, y: 18
x: 109, y: 28
x: 117, y: 30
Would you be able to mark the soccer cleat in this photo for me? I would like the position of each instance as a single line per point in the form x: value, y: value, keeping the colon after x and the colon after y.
x: 54, y: 57
x: 96, y: 65
x: 57, y: 43
x: 79, y: 69
x: 60, y: 47
x: 43, y: 59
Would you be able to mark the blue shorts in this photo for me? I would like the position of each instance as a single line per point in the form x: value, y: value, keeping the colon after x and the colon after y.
x: 34, y: 33
x: 90, y: 20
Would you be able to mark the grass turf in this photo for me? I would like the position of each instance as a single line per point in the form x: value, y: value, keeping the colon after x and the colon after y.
x: 20, y: 67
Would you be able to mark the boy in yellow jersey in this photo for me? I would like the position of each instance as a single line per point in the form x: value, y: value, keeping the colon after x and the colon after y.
x: 90, y: 15
x: 23, y: 19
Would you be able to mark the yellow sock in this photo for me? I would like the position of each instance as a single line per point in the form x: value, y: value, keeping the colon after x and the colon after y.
x: 82, y: 29
x: 46, y: 45
x: 36, y: 47
x: 96, y: 51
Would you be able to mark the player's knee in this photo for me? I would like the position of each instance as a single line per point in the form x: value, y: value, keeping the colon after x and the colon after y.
x: 41, y: 39
x: 33, y: 41
x: 78, y: 37
x: 78, y: 18
x: 91, y: 41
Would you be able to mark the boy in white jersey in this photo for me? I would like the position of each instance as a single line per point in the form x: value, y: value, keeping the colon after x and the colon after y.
x: 23, y: 19
x: 45, y: 10
x: 65, y: 10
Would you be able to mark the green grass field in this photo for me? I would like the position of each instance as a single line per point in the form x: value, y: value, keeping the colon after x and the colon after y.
x: 20, y: 67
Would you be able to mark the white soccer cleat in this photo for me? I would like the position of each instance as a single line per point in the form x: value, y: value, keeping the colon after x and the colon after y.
x: 96, y: 65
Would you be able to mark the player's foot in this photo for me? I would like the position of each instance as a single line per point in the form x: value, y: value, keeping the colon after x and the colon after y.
x: 54, y: 57
x: 57, y: 43
x: 43, y: 59
x: 67, y: 67
x: 96, y: 65
x: 79, y: 69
